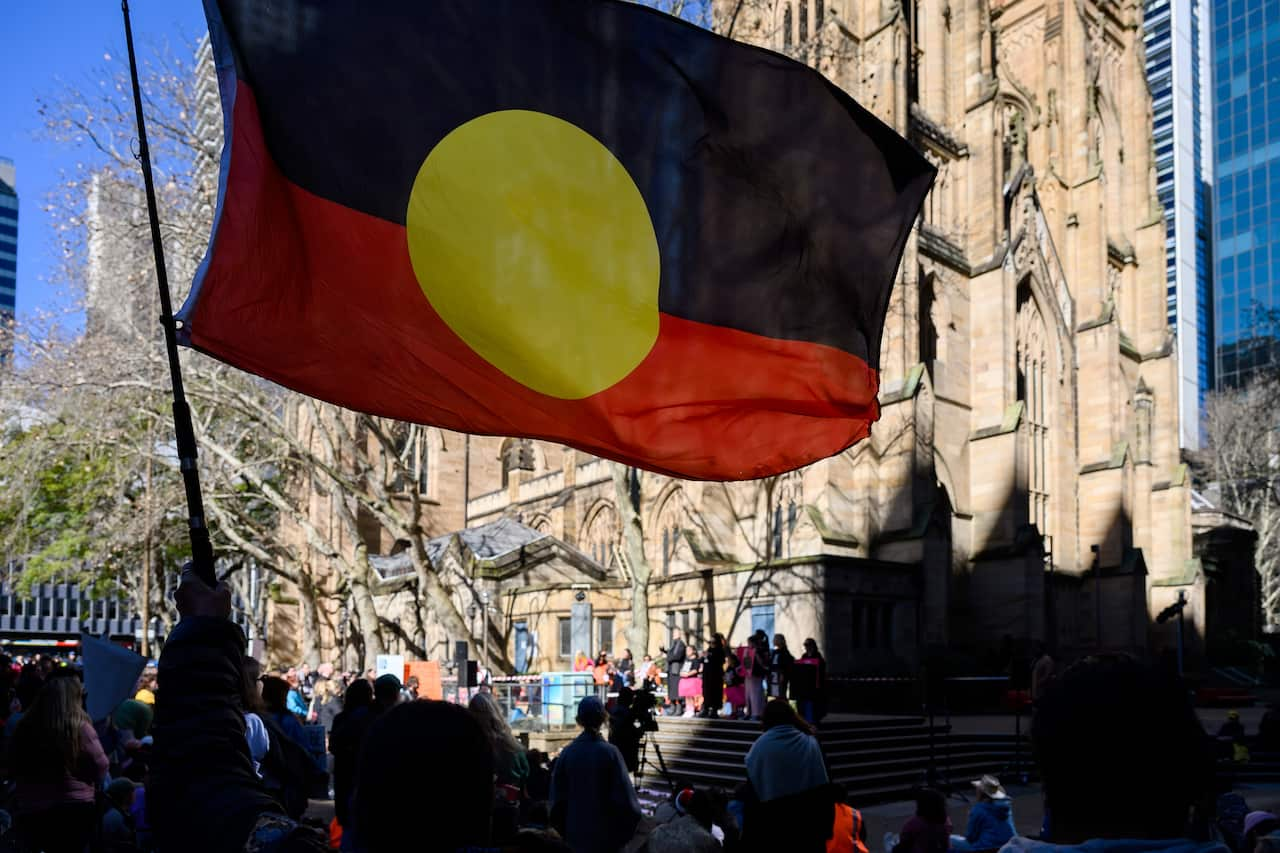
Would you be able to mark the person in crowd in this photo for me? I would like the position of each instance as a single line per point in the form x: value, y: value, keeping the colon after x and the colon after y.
x: 582, y: 663
x: 1231, y: 735
x: 294, y: 700
x: 255, y: 730
x: 275, y: 701
x: 305, y: 683
x: 626, y: 667
x: 691, y: 683
x: 386, y: 692
x: 593, y: 803
x: 1269, y: 729
x: 57, y: 763
x: 131, y: 724
x: 146, y: 692
x: 412, y: 686
x: 624, y: 731
x: 326, y: 704
x: 809, y: 681
x: 735, y: 686
x: 756, y: 671
x: 1043, y: 671
x: 1111, y: 717
x: 713, y: 677
x: 928, y: 830
x: 601, y: 669
x: 118, y: 835
x: 676, y: 658
x: 648, y: 678
x: 792, y: 803
x: 780, y: 667
x: 345, y: 739
x: 1258, y: 825
x: 510, y: 763
x: 990, y: 819
x: 685, y: 825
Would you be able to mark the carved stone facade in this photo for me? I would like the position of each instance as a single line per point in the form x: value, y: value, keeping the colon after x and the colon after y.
x: 1024, y: 480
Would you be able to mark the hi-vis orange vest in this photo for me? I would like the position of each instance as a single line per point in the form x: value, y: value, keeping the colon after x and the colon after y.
x: 847, y: 832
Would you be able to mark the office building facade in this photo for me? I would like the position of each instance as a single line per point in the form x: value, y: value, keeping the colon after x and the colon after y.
x: 1175, y: 38
x: 1246, y: 157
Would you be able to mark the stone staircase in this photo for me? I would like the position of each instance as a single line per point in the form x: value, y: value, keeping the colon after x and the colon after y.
x: 876, y: 759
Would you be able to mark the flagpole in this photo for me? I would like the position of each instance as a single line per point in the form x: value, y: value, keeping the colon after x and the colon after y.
x: 201, y: 547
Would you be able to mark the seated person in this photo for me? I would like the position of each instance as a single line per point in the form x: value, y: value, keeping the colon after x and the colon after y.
x: 990, y: 819
x: 1107, y: 720
x: 928, y: 831
x: 117, y: 819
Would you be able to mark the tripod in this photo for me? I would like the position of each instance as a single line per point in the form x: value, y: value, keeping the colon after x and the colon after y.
x: 660, y: 767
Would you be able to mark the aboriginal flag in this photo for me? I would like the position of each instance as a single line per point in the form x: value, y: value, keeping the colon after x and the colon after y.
x: 577, y: 220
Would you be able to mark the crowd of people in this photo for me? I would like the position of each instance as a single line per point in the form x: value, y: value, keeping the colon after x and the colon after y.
x: 211, y: 755
x: 719, y: 681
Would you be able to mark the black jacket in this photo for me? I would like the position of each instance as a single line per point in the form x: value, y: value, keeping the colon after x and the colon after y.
x: 203, y: 794
x: 676, y: 657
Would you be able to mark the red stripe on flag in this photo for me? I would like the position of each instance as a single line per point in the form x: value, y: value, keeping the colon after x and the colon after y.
x: 322, y: 299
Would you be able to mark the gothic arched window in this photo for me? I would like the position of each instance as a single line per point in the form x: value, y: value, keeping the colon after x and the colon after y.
x: 602, y: 535
x: 1035, y: 392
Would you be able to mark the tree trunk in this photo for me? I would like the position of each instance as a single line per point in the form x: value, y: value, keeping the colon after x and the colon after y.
x: 310, y: 618
x: 365, y: 609
x: 626, y: 483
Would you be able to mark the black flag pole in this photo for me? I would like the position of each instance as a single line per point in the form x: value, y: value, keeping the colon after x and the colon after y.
x: 201, y: 547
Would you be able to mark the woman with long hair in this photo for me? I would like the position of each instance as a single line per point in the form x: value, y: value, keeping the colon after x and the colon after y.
x: 510, y: 764
x: 58, y: 763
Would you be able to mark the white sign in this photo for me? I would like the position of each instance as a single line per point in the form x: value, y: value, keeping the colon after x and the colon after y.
x: 390, y: 665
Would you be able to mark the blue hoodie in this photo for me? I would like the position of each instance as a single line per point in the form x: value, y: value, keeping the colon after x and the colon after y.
x: 1123, y: 845
x: 990, y: 824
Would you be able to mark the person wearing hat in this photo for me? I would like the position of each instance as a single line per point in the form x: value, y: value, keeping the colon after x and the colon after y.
x: 1258, y: 825
x: 593, y: 803
x: 990, y: 819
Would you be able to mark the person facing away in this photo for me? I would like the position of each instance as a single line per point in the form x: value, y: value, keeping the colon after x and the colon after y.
x: 593, y: 803
x: 793, y: 802
x: 57, y: 763
x: 713, y: 677
x: 510, y: 763
x: 118, y: 834
x: 808, y: 682
x: 990, y: 820
x: 1110, y: 717
x: 929, y: 830
x: 1042, y: 672
x: 345, y: 739
x: 676, y: 657
x: 202, y: 777
x: 780, y: 668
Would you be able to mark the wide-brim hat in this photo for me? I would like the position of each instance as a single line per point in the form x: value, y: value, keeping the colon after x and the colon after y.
x: 1253, y: 820
x: 989, y: 786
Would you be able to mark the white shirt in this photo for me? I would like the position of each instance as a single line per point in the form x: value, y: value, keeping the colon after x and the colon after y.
x: 255, y: 732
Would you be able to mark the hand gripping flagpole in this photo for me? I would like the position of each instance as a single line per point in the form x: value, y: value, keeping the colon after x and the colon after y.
x: 201, y: 547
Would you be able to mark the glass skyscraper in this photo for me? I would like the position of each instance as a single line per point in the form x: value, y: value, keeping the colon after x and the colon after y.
x: 8, y: 253
x: 1246, y: 156
x: 1175, y: 43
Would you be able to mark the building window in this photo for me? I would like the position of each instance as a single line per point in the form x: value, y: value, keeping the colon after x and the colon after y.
x: 777, y: 532
x: 786, y: 27
x: 804, y: 21
x: 689, y: 621
x: 602, y: 535
x: 413, y: 463
x: 871, y: 625
x: 1034, y: 391
x: 818, y: 13
x: 604, y: 635
x: 762, y: 619
x: 564, y: 626
x: 792, y: 515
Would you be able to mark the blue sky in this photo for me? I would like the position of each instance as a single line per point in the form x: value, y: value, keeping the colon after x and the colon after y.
x: 46, y: 42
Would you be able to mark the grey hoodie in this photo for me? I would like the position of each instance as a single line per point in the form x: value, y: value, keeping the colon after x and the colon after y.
x: 1123, y: 845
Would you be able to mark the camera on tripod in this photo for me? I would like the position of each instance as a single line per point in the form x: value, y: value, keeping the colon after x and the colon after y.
x: 642, y: 712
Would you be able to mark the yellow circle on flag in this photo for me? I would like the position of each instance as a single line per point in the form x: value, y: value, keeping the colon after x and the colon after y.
x: 534, y: 244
